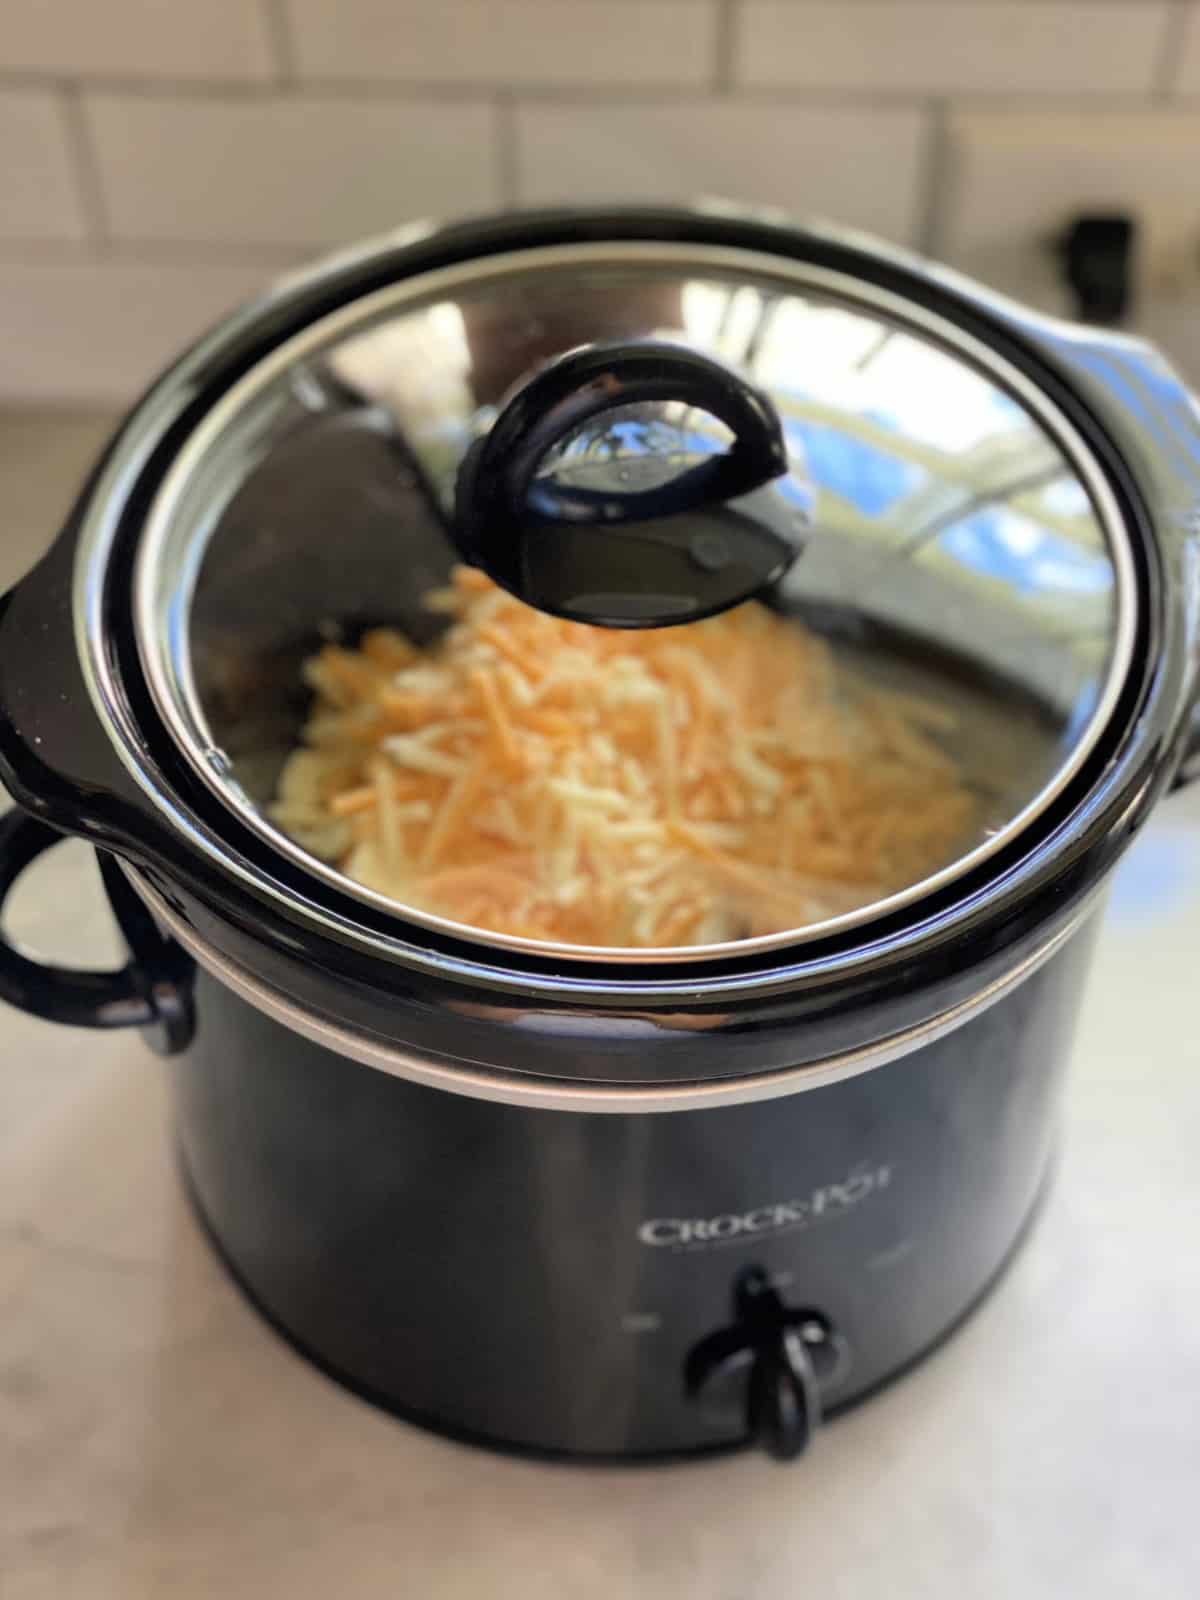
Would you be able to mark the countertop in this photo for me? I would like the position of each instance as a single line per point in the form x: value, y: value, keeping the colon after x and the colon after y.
x: 157, y: 1439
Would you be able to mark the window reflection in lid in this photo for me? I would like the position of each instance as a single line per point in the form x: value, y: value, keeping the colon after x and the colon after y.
x: 958, y: 537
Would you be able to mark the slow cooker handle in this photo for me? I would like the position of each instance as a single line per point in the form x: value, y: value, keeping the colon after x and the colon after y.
x: 614, y: 554
x: 153, y: 991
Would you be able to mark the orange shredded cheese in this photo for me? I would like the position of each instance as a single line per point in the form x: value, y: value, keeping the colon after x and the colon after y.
x: 679, y: 786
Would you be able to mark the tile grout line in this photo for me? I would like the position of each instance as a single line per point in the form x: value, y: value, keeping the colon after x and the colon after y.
x: 352, y: 91
x: 140, y: 88
x: 186, y: 253
x: 725, y: 46
x: 1170, y: 49
x: 280, y: 42
x: 88, y: 179
x: 935, y: 165
x: 506, y: 154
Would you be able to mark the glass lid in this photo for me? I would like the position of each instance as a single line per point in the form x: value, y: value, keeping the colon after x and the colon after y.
x: 658, y: 599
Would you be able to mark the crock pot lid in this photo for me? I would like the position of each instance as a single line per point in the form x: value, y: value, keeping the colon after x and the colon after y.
x: 945, y: 530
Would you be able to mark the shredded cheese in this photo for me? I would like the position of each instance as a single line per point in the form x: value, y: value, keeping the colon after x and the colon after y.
x: 675, y: 787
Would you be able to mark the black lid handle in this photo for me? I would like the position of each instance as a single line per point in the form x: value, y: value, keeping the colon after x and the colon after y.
x: 611, y: 553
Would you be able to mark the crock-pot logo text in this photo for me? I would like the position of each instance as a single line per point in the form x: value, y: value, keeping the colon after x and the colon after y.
x: 728, y: 1227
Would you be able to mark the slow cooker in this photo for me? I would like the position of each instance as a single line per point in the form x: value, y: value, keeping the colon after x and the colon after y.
x: 596, y: 1200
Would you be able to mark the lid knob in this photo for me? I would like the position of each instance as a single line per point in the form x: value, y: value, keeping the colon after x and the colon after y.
x: 610, y: 539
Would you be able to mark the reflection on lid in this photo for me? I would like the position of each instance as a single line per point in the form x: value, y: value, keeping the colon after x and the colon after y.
x: 919, y: 458
x: 1027, y: 555
x: 953, y: 545
x: 936, y: 502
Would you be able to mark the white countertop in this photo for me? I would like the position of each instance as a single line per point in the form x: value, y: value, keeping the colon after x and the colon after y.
x: 157, y: 1439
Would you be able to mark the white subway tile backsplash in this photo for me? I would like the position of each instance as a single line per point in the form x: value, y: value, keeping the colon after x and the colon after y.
x: 858, y: 165
x: 222, y: 39
x: 142, y: 142
x: 518, y: 42
x: 286, y: 171
x: 951, y: 46
x: 99, y: 330
x: 39, y: 193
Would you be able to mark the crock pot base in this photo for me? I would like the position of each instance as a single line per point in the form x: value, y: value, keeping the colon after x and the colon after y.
x: 508, y: 1447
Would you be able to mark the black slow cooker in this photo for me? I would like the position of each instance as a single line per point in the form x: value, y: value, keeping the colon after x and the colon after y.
x: 597, y: 1200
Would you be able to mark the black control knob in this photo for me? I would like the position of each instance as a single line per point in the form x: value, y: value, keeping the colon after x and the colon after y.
x: 763, y: 1374
x: 783, y: 1403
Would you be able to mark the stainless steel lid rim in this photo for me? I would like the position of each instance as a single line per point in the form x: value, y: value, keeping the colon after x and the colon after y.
x: 1001, y: 897
x: 528, y: 1091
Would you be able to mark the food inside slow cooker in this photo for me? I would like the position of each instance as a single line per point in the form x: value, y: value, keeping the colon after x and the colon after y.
x: 672, y: 787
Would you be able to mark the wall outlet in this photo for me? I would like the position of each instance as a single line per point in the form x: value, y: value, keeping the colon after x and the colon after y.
x: 1014, y: 179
